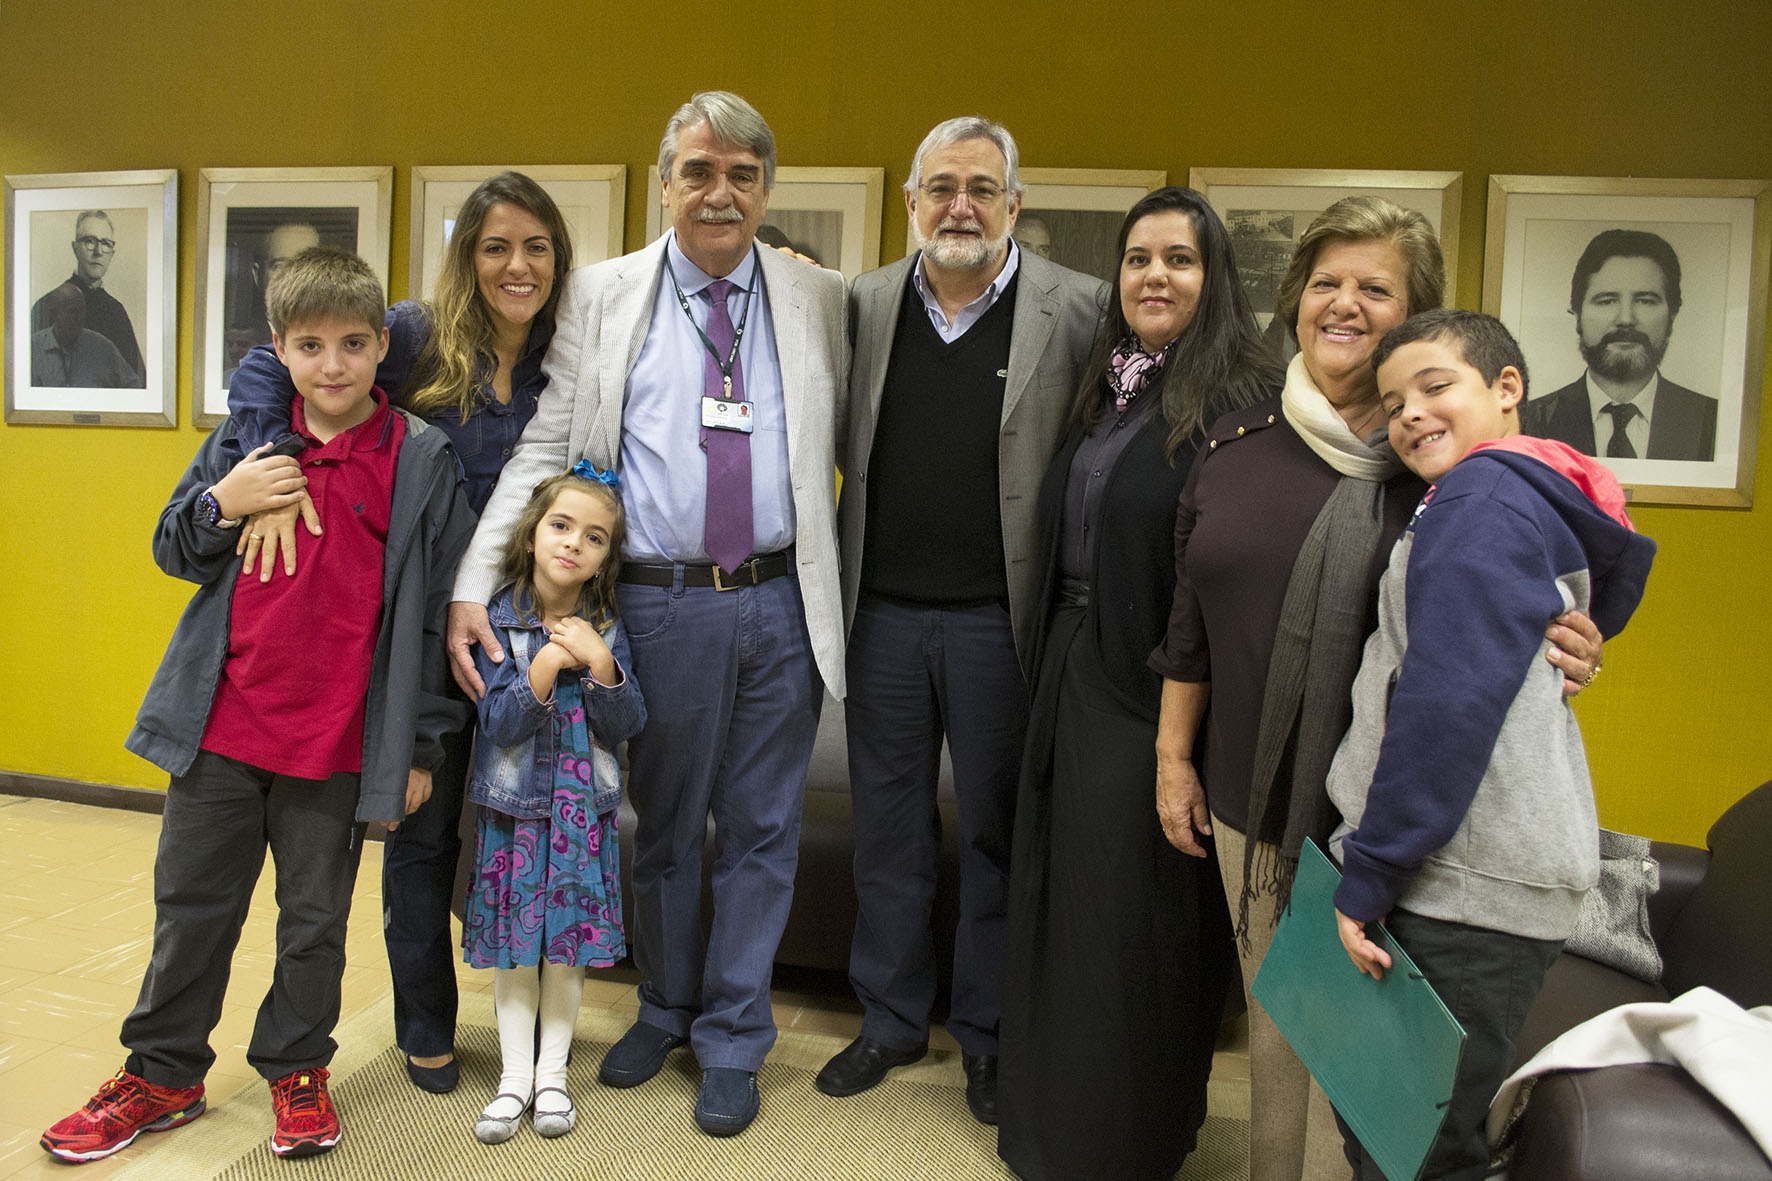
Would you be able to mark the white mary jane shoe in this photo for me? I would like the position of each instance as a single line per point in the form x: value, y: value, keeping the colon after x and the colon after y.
x: 495, y: 1128
x: 551, y: 1123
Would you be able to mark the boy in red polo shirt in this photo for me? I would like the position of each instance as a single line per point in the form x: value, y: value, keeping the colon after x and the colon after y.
x: 289, y: 713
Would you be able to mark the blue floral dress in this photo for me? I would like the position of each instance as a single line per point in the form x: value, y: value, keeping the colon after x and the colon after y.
x: 551, y: 888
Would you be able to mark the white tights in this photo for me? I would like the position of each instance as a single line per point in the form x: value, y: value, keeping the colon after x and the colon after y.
x: 518, y: 994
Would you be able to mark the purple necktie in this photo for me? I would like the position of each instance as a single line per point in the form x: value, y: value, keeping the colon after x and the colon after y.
x: 728, y: 533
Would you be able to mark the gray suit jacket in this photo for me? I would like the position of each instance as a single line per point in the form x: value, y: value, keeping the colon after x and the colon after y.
x: 1056, y: 310
x: 602, y: 322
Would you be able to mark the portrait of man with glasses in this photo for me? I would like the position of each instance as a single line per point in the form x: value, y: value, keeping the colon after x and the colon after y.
x: 95, y: 247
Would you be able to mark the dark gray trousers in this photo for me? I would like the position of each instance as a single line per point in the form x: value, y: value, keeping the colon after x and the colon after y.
x: 1489, y: 980
x: 220, y: 818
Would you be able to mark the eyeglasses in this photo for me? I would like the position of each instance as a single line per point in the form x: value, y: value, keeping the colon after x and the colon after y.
x: 946, y: 192
x: 96, y: 245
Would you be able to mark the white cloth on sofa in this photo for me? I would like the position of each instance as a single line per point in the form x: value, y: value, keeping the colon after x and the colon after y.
x: 1725, y: 1048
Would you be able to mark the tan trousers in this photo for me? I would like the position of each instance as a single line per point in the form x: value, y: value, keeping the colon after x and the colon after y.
x: 1292, y: 1132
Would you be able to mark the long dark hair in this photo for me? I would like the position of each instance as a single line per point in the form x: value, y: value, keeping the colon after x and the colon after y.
x: 446, y: 376
x: 1219, y: 363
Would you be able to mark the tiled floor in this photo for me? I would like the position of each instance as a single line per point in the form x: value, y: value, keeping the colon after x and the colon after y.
x: 76, y: 915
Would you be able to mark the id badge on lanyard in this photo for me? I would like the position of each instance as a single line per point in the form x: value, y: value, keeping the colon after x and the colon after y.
x: 724, y: 413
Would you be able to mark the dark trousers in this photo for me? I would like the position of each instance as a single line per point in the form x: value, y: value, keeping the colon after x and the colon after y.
x: 417, y: 889
x: 1488, y: 979
x: 220, y: 817
x: 917, y: 674
x: 732, y: 701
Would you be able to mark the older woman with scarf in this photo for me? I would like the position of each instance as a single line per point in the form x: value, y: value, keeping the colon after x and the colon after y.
x: 1284, y: 528
x: 1120, y: 943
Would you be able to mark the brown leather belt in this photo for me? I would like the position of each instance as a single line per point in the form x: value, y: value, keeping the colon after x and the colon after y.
x: 761, y: 568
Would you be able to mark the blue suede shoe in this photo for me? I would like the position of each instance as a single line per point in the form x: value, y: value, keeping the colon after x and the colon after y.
x: 638, y: 1056
x: 728, y: 1101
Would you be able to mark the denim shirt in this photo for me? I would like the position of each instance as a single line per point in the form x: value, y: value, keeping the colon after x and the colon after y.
x: 514, y: 754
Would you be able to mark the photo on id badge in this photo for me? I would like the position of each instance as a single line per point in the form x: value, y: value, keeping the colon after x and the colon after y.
x: 723, y: 415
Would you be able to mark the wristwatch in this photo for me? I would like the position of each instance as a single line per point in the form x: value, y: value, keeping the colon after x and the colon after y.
x: 209, y: 512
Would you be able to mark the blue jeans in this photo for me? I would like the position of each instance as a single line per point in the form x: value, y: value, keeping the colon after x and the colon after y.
x: 220, y: 817
x: 915, y: 675
x: 732, y: 701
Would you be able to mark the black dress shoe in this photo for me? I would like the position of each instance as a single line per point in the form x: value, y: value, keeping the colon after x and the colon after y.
x: 981, y: 1086
x: 862, y: 1064
x: 438, y: 1080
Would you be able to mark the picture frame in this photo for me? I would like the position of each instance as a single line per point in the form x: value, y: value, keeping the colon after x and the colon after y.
x: 1072, y: 215
x: 248, y: 220
x: 1267, y: 210
x: 829, y: 214
x: 592, y: 199
x: 94, y: 343
x: 1573, y: 268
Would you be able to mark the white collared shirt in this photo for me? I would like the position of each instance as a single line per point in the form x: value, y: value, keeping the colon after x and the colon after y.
x: 973, y: 312
x: 1636, y: 431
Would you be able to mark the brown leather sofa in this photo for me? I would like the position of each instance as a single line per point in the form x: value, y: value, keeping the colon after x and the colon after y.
x: 1712, y: 924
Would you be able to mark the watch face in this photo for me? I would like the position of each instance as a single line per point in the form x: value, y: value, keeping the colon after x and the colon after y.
x: 208, y: 509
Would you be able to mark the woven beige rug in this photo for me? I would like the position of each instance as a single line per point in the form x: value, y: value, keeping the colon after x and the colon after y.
x: 913, y: 1126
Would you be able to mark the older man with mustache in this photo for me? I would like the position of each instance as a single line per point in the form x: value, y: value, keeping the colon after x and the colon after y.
x: 1624, y: 296
x: 709, y: 372
x: 965, y: 358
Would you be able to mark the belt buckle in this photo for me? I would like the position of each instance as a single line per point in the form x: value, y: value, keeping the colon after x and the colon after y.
x: 749, y: 564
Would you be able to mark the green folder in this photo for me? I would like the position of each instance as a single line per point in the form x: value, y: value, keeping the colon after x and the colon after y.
x: 1384, y: 1051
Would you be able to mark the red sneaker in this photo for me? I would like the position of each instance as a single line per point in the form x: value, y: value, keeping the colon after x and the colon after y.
x: 307, y: 1122
x: 124, y: 1108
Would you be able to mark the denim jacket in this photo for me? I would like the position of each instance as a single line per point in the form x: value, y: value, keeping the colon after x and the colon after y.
x: 514, y: 754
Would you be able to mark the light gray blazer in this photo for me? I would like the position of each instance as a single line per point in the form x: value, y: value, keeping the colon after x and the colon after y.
x: 1056, y: 310
x: 601, y: 326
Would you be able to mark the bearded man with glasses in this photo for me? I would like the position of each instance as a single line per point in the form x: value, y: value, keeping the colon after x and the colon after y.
x: 95, y: 248
x: 965, y: 359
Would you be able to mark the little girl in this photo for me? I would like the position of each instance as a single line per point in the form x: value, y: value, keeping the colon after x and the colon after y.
x: 546, y: 888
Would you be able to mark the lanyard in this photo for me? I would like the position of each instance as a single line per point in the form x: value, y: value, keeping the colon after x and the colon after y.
x: 725, y: 366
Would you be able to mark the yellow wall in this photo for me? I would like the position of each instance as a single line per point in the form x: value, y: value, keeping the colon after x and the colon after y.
x: 1678, y: 728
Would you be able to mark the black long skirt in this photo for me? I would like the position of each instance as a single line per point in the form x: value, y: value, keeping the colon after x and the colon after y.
x: 1118, y: 953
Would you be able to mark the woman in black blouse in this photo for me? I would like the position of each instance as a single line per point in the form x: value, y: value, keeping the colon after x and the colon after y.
x: 1119, y: 943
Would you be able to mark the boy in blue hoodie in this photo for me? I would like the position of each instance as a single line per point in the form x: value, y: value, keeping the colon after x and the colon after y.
x: 1468, y: 815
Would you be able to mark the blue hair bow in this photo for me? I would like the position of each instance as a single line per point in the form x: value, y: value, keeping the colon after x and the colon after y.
x: 586, y: 470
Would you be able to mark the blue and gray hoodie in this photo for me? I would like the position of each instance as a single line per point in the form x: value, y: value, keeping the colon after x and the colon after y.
x: 1462, y: 782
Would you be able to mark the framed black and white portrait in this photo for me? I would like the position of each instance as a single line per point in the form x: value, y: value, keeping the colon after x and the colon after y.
x: 831, y: 215
x: 1267, y: 210
x: 91, y: 298
x: 1072, y: 215
x: 249, y: 222
x: 592, y: 198
x: 1640, y: 306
